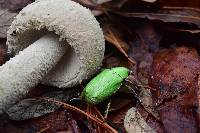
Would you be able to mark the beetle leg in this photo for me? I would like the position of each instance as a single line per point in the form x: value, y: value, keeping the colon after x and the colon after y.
x: 134, y: 92
x: 75, y: 99
x: 107, y: 110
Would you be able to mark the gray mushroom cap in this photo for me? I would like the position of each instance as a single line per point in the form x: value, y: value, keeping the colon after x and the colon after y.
x: 73, y: 24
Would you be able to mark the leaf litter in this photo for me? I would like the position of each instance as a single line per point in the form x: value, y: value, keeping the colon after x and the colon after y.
x: 157, y: 40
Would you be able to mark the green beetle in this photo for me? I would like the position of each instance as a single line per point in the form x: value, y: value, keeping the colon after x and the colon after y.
x: 104, y: 84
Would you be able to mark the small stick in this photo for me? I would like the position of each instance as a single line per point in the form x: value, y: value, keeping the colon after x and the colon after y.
x: 70, y: 107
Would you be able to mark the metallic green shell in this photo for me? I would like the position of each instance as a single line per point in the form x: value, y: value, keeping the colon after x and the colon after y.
x: 104, y: 84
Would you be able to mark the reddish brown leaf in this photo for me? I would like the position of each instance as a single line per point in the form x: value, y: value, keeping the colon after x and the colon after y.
x: 118, y: 116
x: 3, y: 55
x: 178, y: 119
x: 175, y: 80
x: 165, y: 14
x: 145, y: 43
x: 155, y: 124
x: 142, y: 94
x: 180, y: 3
x: 175, y: 71
x: 54, y: 122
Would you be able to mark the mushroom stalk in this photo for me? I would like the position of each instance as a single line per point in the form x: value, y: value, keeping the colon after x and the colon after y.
x: 28, y: 68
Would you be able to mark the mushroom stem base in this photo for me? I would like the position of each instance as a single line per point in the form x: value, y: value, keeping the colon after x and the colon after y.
x: 28, y: 68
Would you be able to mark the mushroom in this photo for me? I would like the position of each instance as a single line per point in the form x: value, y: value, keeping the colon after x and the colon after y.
x: 56, y: 43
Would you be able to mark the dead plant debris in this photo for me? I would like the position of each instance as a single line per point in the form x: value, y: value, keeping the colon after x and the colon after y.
x: 159, y: 41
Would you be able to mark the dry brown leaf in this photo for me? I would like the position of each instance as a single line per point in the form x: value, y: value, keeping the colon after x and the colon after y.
x: 101, y: 1
x: 113, y: 35
x: 165, y: 14
x: 14, y: 5
x: 180, y: 3
x: 93, y: 4
x: 150, y: 1
x: 135, y: 123
x: 6, y: 18
x: 147, y: 102
x: 143, y: 94
x: 116, y: 3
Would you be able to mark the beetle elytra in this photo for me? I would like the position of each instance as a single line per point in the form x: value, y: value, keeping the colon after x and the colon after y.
x: 104, y: 84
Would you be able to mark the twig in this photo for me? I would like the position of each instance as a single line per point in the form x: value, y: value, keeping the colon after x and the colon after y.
x: 70, y: 107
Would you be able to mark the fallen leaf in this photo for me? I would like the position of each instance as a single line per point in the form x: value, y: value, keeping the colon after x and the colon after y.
x: 147, y: 102
x: 35, y: 107
x: 177, y: 118
x: 174, y: 77
x: 155, y: 124
x: 198, y: 95
x: 149, y: 34
x: 117, y: 116
x: 3, y: 55
x: 113, y: 35
x: 101, y: 1
x: 134, y: 122
x: 142, y: 94
x: 30, y: 108
x: 6, y: 18
x: 61, y: 121
x: 174, y: 72
x: 15, y: 5
x: 150, y: 1
x: 115, y: 4
x: 165, y: 14
x: 93, y: 4
x: 142, y: 47
x: 180, y: 3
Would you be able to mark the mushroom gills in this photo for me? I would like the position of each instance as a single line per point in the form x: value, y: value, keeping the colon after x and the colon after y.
x: 28, y: 68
